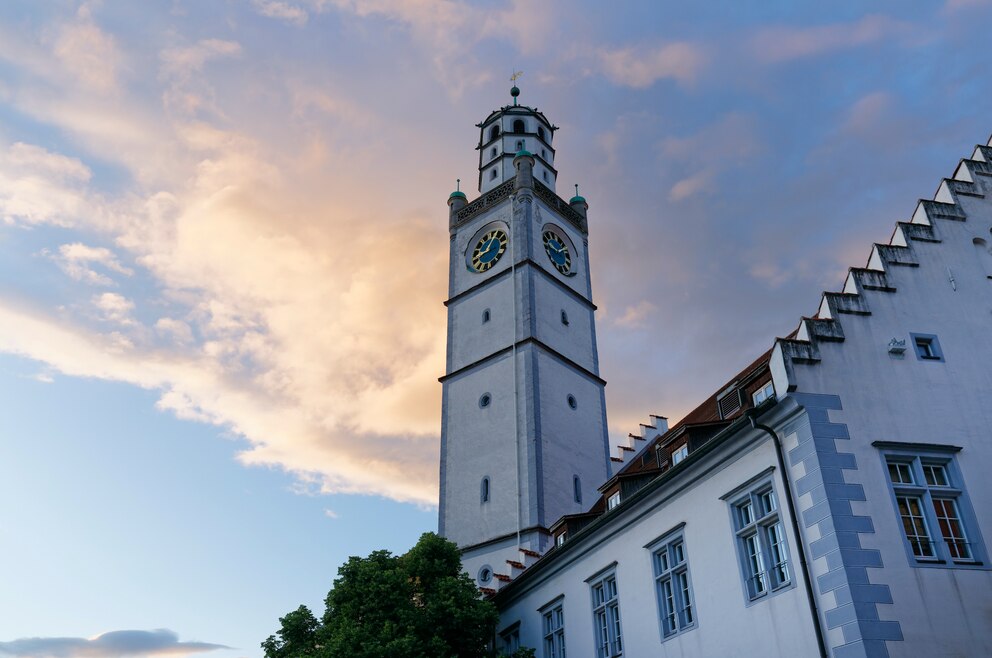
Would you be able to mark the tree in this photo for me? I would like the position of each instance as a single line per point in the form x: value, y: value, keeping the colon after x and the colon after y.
x: 297, y: 637
x: 418, y: 605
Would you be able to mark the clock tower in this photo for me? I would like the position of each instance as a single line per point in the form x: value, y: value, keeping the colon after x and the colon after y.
x: 523, y: 420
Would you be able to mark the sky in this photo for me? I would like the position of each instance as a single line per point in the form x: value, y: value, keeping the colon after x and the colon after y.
x: 223, y: 252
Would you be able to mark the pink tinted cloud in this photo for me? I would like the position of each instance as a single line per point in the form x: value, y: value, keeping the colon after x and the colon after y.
x: 786, y: 43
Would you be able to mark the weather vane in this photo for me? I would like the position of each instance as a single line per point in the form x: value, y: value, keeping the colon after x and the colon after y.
x: 514, y: 91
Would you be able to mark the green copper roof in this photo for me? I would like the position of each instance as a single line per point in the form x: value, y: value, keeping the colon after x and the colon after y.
x: 457, y: 193
x: 524, y: 152
x: 577, y: 199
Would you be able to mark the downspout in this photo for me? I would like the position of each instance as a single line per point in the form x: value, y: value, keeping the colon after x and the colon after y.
x: 804, y: 566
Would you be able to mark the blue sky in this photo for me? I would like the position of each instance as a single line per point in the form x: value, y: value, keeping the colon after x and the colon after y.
x: 223, y: 254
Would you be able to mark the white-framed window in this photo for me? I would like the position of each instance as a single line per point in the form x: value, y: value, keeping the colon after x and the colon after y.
x: 553, y: 624
x: 763, y: 393
x: 680, y: 454
x: 613, y: 501
x: 933, y: 508
x: 606, y: 617
x: 671, y: 574
x: 510, y: 639
x: 560, y: 539
x: 761, y: 544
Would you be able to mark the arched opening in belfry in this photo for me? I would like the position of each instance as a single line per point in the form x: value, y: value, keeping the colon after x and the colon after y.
x: 540, y: 132
x: 494, y: 133
x: 518, y: 126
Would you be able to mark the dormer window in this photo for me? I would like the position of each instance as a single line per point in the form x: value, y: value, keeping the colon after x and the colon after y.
x: 763, y: 393
x: 680, y: 454
x: 730, y: 403
x: 613, y: 501
x: 560, y: 539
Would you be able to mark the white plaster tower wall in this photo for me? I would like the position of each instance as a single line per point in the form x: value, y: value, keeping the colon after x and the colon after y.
x: 524, y: 436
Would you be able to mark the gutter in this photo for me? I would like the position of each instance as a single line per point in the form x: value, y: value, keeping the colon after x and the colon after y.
x: 804, y: 566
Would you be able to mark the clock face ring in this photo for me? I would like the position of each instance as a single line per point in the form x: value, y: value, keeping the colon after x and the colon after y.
x: 557, y: 250
x: 489, y: 249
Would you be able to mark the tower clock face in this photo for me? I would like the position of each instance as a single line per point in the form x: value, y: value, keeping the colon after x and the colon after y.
x: 489, y: 249
x: 557, y: 250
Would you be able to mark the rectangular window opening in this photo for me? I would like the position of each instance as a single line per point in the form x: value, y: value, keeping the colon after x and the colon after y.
x: 761, y: 543
x: 674, y: 589
x: 931, y: 501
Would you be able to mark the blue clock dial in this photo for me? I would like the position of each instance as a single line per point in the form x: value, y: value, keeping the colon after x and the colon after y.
x: 489, y: 249
x: 557, y: 250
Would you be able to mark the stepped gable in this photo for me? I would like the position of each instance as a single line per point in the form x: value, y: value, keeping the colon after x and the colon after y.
x: 970, y: 178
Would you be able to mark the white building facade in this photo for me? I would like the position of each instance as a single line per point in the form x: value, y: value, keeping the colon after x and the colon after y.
x: 830, y: 499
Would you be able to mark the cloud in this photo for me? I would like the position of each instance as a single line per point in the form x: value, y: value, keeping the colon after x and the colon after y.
x: 786, y: 43
x: 177, y: 330
x: 89, y: 53
x: 39, y: 186
x: 114, y: 308
x: 281, y: 11
x: 75, y: 259
x: 700, y: 157
x: 641, y: 67
x: 961, y: 5
x: 114, y: 644
x: 331, y: 514
x: 635, y: 317
x: 691, y: 185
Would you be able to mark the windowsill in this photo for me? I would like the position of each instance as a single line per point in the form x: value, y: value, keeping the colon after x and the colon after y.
x: 930, y: 358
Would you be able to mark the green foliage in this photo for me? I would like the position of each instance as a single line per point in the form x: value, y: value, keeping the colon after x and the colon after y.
x: 522, y: 652
x: 418, y: 605
x: 297, y: 637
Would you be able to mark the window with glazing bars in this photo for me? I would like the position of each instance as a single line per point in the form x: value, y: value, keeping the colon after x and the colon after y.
x: 554, y: 632
x: 606, y: 617
x: 671, y: 573
x: 929, y: 504
x: 761, y: 542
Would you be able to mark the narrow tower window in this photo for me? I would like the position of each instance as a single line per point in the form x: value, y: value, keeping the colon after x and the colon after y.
x: 486, y: 316
x: 518, y: 126
x: 494, y: 133
x: 545, y: 174
x: 564, y: 317
x: 540, y: 132
x: 492, y: 152
x: 572, y: 402
x: 484, y: 491
x: 577, y: 488
x: 520, y: 145
x: 492, y: 174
